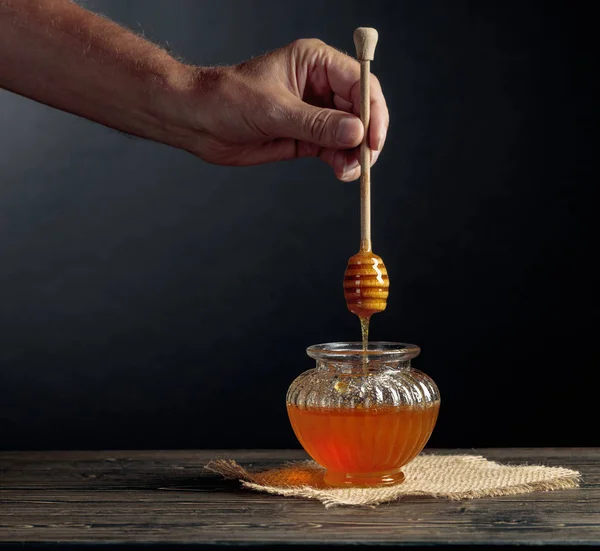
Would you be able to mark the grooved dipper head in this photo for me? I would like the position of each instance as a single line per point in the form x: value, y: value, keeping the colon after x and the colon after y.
x: 366, y: 284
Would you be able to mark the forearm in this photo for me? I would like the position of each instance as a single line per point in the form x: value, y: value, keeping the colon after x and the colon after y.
x: 293, y: 102
x: 57, y: 53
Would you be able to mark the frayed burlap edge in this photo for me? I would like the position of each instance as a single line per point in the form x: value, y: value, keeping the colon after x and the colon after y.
x: 453, y: 477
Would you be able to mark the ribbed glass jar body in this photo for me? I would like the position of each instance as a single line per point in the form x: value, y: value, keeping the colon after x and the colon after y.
x: 363, y: 415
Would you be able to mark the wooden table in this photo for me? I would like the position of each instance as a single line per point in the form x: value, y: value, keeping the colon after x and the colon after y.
x: 166, y: 497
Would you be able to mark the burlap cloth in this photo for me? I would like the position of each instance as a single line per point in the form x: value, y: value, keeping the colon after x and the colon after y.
x: 443, y: 476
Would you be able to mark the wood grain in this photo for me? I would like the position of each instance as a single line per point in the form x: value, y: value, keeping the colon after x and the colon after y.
x: 167, y: 497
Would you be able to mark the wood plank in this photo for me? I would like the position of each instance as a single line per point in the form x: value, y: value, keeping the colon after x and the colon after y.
x: 167, y: 497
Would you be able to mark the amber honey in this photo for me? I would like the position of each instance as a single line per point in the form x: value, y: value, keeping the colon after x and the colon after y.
x: 366, y: 284
x: 363, y: 446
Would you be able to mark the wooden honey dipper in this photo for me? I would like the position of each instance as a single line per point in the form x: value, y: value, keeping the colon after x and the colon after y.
x: 366, y: 281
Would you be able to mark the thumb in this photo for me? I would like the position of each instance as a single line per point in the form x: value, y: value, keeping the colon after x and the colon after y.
x: 323, y: 127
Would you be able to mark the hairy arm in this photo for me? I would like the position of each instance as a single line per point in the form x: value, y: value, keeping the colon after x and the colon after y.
x: 60, y: 54
x: 297, y: 101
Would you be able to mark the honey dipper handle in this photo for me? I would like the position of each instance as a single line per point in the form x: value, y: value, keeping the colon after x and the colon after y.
x: 365, y: 40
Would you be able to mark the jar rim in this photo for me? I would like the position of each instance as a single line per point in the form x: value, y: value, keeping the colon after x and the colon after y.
x: 376, y: 350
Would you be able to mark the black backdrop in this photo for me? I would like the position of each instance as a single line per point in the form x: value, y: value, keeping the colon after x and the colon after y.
x: 148, y: 299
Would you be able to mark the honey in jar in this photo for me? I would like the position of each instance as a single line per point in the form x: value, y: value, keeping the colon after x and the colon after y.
x: 363, y: 415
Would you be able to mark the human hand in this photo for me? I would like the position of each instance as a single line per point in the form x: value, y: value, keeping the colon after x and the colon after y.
x: 302, y: 100
x: 298, y: 101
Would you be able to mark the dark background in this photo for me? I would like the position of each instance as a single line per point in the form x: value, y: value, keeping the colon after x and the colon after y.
x: 148, y: 299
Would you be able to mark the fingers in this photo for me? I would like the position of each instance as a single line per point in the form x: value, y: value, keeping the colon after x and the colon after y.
x: 380, y: 117
x: 332, y: 128
x: 343, y: 74
x: 345, y: 164
x: 328, y: 128
x: 343, y: 104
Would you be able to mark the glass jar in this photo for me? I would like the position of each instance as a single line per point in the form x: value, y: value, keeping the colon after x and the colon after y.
x: 363, y: 414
